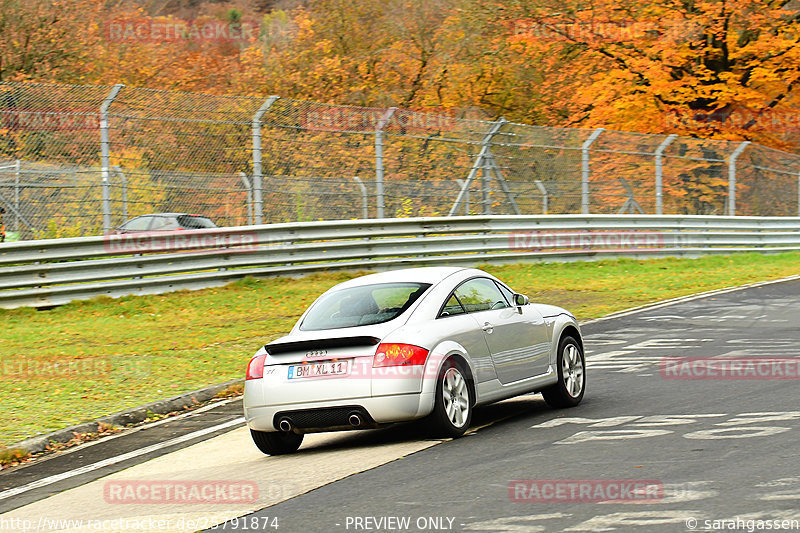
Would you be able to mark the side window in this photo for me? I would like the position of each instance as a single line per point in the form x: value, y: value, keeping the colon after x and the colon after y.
x: 480, y: 294
x: 509, y: 294
x: 137, y: 224
x: 452, y: 307
x: 160, y: 223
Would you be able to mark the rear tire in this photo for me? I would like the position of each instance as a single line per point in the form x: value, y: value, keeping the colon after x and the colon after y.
x: 571, y: 365
x: 452, y: 409
x: 276, y: 443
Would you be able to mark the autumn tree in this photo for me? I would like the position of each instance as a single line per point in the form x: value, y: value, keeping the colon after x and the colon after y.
x: 47, y: 39
x: 418, y: 54
x: 706, y: 68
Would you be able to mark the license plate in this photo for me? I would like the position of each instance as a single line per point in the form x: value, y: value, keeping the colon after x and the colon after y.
x: 318, y: 370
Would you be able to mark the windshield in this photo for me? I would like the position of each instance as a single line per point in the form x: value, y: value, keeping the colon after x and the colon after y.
x: 361, y: 306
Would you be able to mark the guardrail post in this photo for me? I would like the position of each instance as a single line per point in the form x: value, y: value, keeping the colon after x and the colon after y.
x: 732, y: 177
x: 258, y: 182
x: 660, y: 173
x: 545, y: 198
x: 104, y: 155
x: 364, y: 197
x: 384, y: 120
x: 585, y: 169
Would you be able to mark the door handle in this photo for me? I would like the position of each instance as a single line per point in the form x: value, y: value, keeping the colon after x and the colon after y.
x: 487, y: 327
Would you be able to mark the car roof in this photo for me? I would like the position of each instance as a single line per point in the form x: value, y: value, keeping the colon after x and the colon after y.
x: 432, y: 275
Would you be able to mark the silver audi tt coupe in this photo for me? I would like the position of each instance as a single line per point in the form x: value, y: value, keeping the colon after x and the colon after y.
x: 418, y: 343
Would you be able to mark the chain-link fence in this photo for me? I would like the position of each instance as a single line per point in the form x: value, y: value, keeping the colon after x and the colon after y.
x: 80, y: 160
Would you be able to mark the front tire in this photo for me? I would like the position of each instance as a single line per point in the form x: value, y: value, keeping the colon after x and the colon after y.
x: 452, y: 410
x: 274, y: 443
x: 571, y: 364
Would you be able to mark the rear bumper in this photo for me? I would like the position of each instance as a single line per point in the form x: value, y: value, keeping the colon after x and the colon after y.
x: 381, y: 410
x: 380, y: 396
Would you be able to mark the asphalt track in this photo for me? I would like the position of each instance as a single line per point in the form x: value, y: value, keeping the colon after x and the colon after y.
x: 676, y: 454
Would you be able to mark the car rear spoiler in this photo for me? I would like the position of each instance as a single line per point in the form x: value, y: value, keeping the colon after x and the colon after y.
x: 316, y: 344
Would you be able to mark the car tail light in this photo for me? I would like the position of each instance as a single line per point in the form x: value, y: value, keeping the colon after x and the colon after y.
x: 395, y: 354
x: 255, y: 369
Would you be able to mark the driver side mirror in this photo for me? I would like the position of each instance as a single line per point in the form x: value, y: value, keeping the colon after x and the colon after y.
x: 520, y: 300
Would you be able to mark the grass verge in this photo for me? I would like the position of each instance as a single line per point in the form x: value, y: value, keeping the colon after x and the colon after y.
x: 87, y: 359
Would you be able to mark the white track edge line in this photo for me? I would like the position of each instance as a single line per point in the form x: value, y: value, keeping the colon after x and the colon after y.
x: 117, y: 459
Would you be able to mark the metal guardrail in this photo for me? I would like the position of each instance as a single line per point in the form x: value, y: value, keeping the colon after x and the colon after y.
x: 53, y: 272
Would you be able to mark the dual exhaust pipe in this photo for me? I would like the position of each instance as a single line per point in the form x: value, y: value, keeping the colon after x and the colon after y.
x: 286, y: 424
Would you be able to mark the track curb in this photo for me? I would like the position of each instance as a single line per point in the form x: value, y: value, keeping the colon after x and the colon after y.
x: 125, y: 418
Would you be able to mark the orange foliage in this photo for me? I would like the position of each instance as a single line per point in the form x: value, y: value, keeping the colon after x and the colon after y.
x: 704, y: 68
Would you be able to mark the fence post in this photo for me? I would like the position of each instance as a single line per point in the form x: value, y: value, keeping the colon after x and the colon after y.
x: 249, y: 190
x: 660, y: 173
x: 585, y: 169
x: 258, y: 182
x: 124, y: 181
x: 480, y: 162
x: 104, y: 155
x: 732, y: 178
x: 384, y: 120
x: 17, y: 169
x: 364, y: 197
x: 486, y: 188
x: 461, y: 184
x: 545, y: 196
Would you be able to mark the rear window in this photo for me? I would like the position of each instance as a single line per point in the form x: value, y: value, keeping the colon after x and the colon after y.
x: 195, y: 222
x: 361, y: 306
